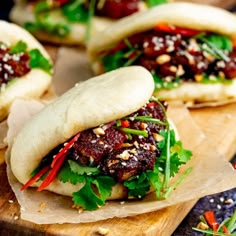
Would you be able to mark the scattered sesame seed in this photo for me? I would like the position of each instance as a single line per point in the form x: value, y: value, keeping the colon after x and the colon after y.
x: 211, y: 200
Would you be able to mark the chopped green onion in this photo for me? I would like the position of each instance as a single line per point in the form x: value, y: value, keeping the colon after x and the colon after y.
x: 89, y: 22
x: 148, y: 119
x: 133, y: 59
x: 118, y: 123
x: 135, y: 131
x: 127, y: 42
x: 167, y: 164
x: 178, y: 181
x: 212, y: 232
x: 212, y: 47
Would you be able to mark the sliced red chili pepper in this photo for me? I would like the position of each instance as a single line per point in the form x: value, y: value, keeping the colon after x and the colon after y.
x: 65, y: 149
x: 225, y: 230
x: 211, y: 220
x: 234, y: 165
x: 125, y: 123
x: 52, y: 174
x: 162, y: 26
x: 151, y: 104
x: 36, y: 177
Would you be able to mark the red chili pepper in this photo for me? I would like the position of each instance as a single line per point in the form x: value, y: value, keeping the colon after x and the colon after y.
x: 125, y: 123
x: 151, y: 104
x: 211, y: 220
x: 65, y: 149
x: 36, y: 177
x: 225, y: 230
x: 162, y: 26
x: 234, y: 165
x: 52, y: 174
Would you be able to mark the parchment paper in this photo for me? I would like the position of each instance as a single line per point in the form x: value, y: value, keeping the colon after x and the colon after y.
x: 211, y: 172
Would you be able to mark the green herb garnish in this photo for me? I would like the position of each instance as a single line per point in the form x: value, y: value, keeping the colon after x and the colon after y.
x: 147, y: 119
x: 215, y: 44
x: 75, y: 11
x: 37, y: 60
x: 152, y: 3
x: 18, y: 48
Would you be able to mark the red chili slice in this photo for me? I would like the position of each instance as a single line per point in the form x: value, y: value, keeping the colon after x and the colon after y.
x: 176, y: 30
x: 125, y: 123
x: 64, y: 150
x: 36, y: 177
x: 52, y: 174
x: 211, y: 220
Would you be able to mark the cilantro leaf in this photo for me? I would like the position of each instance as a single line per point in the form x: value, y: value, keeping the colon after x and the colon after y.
x: 104, y: 185
x: 96, y: 190
x: 67, y: 175
x: 37, y: 60
x: 183, y: 154
x: 215, y: 45
x: 138, y: 185
x: 113, y: 61
x: 44, y: 24
x: 178, y: 155
x: 42, y: 6
x: 87, y: 198
x: 152, y: 3
x: 220, y: 41
x: 75, y: 11
x: 80, y: 170
x: 19, y: 47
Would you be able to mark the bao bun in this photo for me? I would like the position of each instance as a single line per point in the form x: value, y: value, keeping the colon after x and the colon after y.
x: 96, y: 101
x: 34, y: 83
x: 186, y: 15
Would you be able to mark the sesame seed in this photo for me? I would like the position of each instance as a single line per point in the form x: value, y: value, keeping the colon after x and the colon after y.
x: 211, y: 200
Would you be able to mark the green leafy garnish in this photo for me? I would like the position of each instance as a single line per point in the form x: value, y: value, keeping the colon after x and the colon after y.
x: 152, y: 3
x: 215, y: 44
x: 97, y: 188
x: 42, y: 6
x: 75, y: 11
x: 91, y: 11
x: 67, y: 175
x: 173, y: 155
x: 161, y: 84
x: 125, y: 57
x: 37, y: 60
x: 215, y: 79
x: 45, y: 24
x: 19, y: 47
x: 113, y: 61
x: 138, y: 185
x: 80, y: 170
x: 88, y: 198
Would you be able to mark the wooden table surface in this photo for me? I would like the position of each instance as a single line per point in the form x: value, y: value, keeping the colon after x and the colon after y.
x: 162, y: 222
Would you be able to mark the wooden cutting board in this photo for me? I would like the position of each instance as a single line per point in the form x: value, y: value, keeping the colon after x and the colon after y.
x: 217, y: 123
